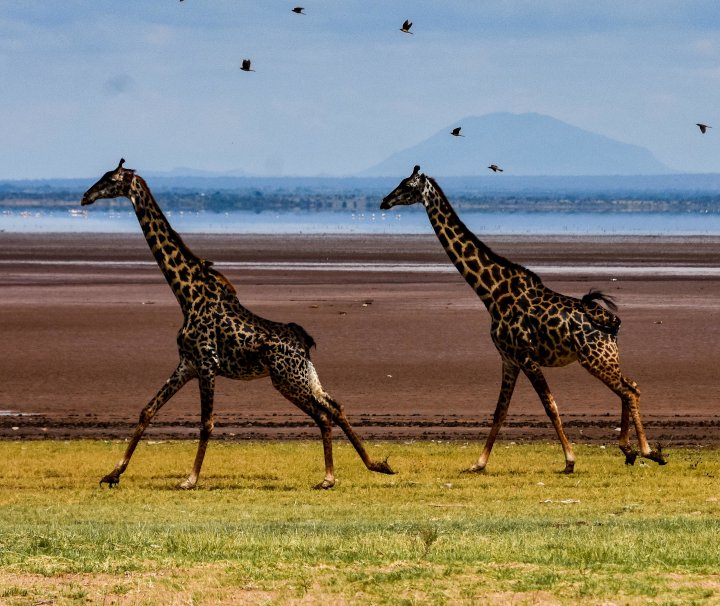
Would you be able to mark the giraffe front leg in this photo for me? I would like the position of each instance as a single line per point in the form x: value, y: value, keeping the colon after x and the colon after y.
x: 183, y: 373
x: 509, y: 378
x: 207, y: 391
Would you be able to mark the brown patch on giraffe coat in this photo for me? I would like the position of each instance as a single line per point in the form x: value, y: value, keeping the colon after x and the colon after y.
x: 521, y: 308
x: 221, y: 337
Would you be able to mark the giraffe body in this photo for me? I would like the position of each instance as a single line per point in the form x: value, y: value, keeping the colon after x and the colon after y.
x: 220, y: 337
x: 531, y: 325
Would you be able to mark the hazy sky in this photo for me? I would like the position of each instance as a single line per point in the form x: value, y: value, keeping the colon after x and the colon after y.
x: 340, y: 88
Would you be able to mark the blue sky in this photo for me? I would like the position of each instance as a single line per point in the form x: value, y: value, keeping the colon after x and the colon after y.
x: 340, y: 88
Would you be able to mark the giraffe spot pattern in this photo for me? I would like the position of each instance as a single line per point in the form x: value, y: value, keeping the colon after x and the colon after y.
x: 221, y: 337
x: 531, y: 325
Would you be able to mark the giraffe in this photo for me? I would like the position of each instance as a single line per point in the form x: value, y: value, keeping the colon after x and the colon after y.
x: 531, y: 325
x: 220, y: 337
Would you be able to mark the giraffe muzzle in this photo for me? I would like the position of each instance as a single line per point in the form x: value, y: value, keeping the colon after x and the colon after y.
x: 88, y: 198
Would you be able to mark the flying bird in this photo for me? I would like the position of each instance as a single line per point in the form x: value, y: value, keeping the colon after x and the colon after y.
x: 299, y: 10
x: 406, y: 27
x: 246, y: 66
x: 495, y: 168
x: 703, y: 127
x: 455, y: 132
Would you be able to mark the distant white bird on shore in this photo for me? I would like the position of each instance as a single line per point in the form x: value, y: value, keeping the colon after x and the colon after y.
x: 495, y: 168
x: 246, y: 66
x: 406, y: 27
x: 703, y: 127
x: 455, y: 132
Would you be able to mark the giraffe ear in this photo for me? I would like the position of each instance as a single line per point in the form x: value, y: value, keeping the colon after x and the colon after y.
x: 124, y: 173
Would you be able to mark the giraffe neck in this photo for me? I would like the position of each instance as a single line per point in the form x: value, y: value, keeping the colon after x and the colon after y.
x: 184, y: 272
x: 488, y: 273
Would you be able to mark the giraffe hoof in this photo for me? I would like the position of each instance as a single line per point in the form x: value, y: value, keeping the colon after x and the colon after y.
x: 657, y: 456
x: 324, y: 485
x: 112, y: 479
x: 569, y: 469
x: 630, y: 457
x: 474, y: 469
x: 186, y: 485
x: 381, y: 467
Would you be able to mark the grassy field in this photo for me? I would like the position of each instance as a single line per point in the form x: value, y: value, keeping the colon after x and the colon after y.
x: 254, y: 532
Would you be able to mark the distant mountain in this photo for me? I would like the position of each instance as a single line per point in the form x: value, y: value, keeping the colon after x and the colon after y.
x: 184, y: 171
x: 522, y: 144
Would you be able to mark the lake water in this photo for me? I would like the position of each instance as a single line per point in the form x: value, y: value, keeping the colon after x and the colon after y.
x: 403, y: 221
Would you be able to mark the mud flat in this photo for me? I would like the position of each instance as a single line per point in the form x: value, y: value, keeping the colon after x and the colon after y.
x: 89, y: 335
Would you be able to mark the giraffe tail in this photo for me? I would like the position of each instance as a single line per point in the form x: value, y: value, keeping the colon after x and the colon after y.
x: 596, y: 295
x: 307, y: 341
x: 600, y: 317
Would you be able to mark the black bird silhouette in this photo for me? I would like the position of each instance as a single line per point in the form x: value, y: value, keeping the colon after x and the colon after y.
x: 246, y: 66
x: 299, y: 10
x: 455, y: 132
x: 703, y: 127
x: 495, y: 168
x: 406, y: 26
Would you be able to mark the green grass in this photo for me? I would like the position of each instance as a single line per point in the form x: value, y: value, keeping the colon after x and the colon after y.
x: 254, y: 531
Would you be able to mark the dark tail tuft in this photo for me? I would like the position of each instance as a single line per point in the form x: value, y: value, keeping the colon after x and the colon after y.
x: 307, y: 340
x: 596, y: 295
x: 601, y: 317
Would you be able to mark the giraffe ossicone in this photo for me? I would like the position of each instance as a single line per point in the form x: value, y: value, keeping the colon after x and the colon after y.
x: 531, y: 326
x: 220, y: 337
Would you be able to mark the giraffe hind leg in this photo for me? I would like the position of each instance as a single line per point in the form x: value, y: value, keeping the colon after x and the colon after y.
x: 537, y: 379
x: 607, y: 370
x: 630, y: 453
x: 296, y: 379
x: 338, y: 415
x: 326, y: 432
x: 631, y: 402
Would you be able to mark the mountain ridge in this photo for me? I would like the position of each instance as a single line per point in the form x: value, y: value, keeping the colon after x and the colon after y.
x: 527, y: 144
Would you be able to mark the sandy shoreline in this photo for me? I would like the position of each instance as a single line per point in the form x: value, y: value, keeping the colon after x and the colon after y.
x: 87, y: 340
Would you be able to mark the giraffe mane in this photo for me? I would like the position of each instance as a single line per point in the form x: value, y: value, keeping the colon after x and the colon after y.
x: 481, y: 245
x: 222, y: 281
x: 177, y: 239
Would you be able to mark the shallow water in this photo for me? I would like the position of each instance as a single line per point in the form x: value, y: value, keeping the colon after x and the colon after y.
x: 403, y: 221
x: 597, y: 269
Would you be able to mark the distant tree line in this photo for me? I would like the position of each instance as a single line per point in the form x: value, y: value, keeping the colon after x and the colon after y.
x: 40, y: 195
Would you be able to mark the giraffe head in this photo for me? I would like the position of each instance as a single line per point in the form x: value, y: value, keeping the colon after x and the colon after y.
x: 113, y: 184
x: 409, y: 191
